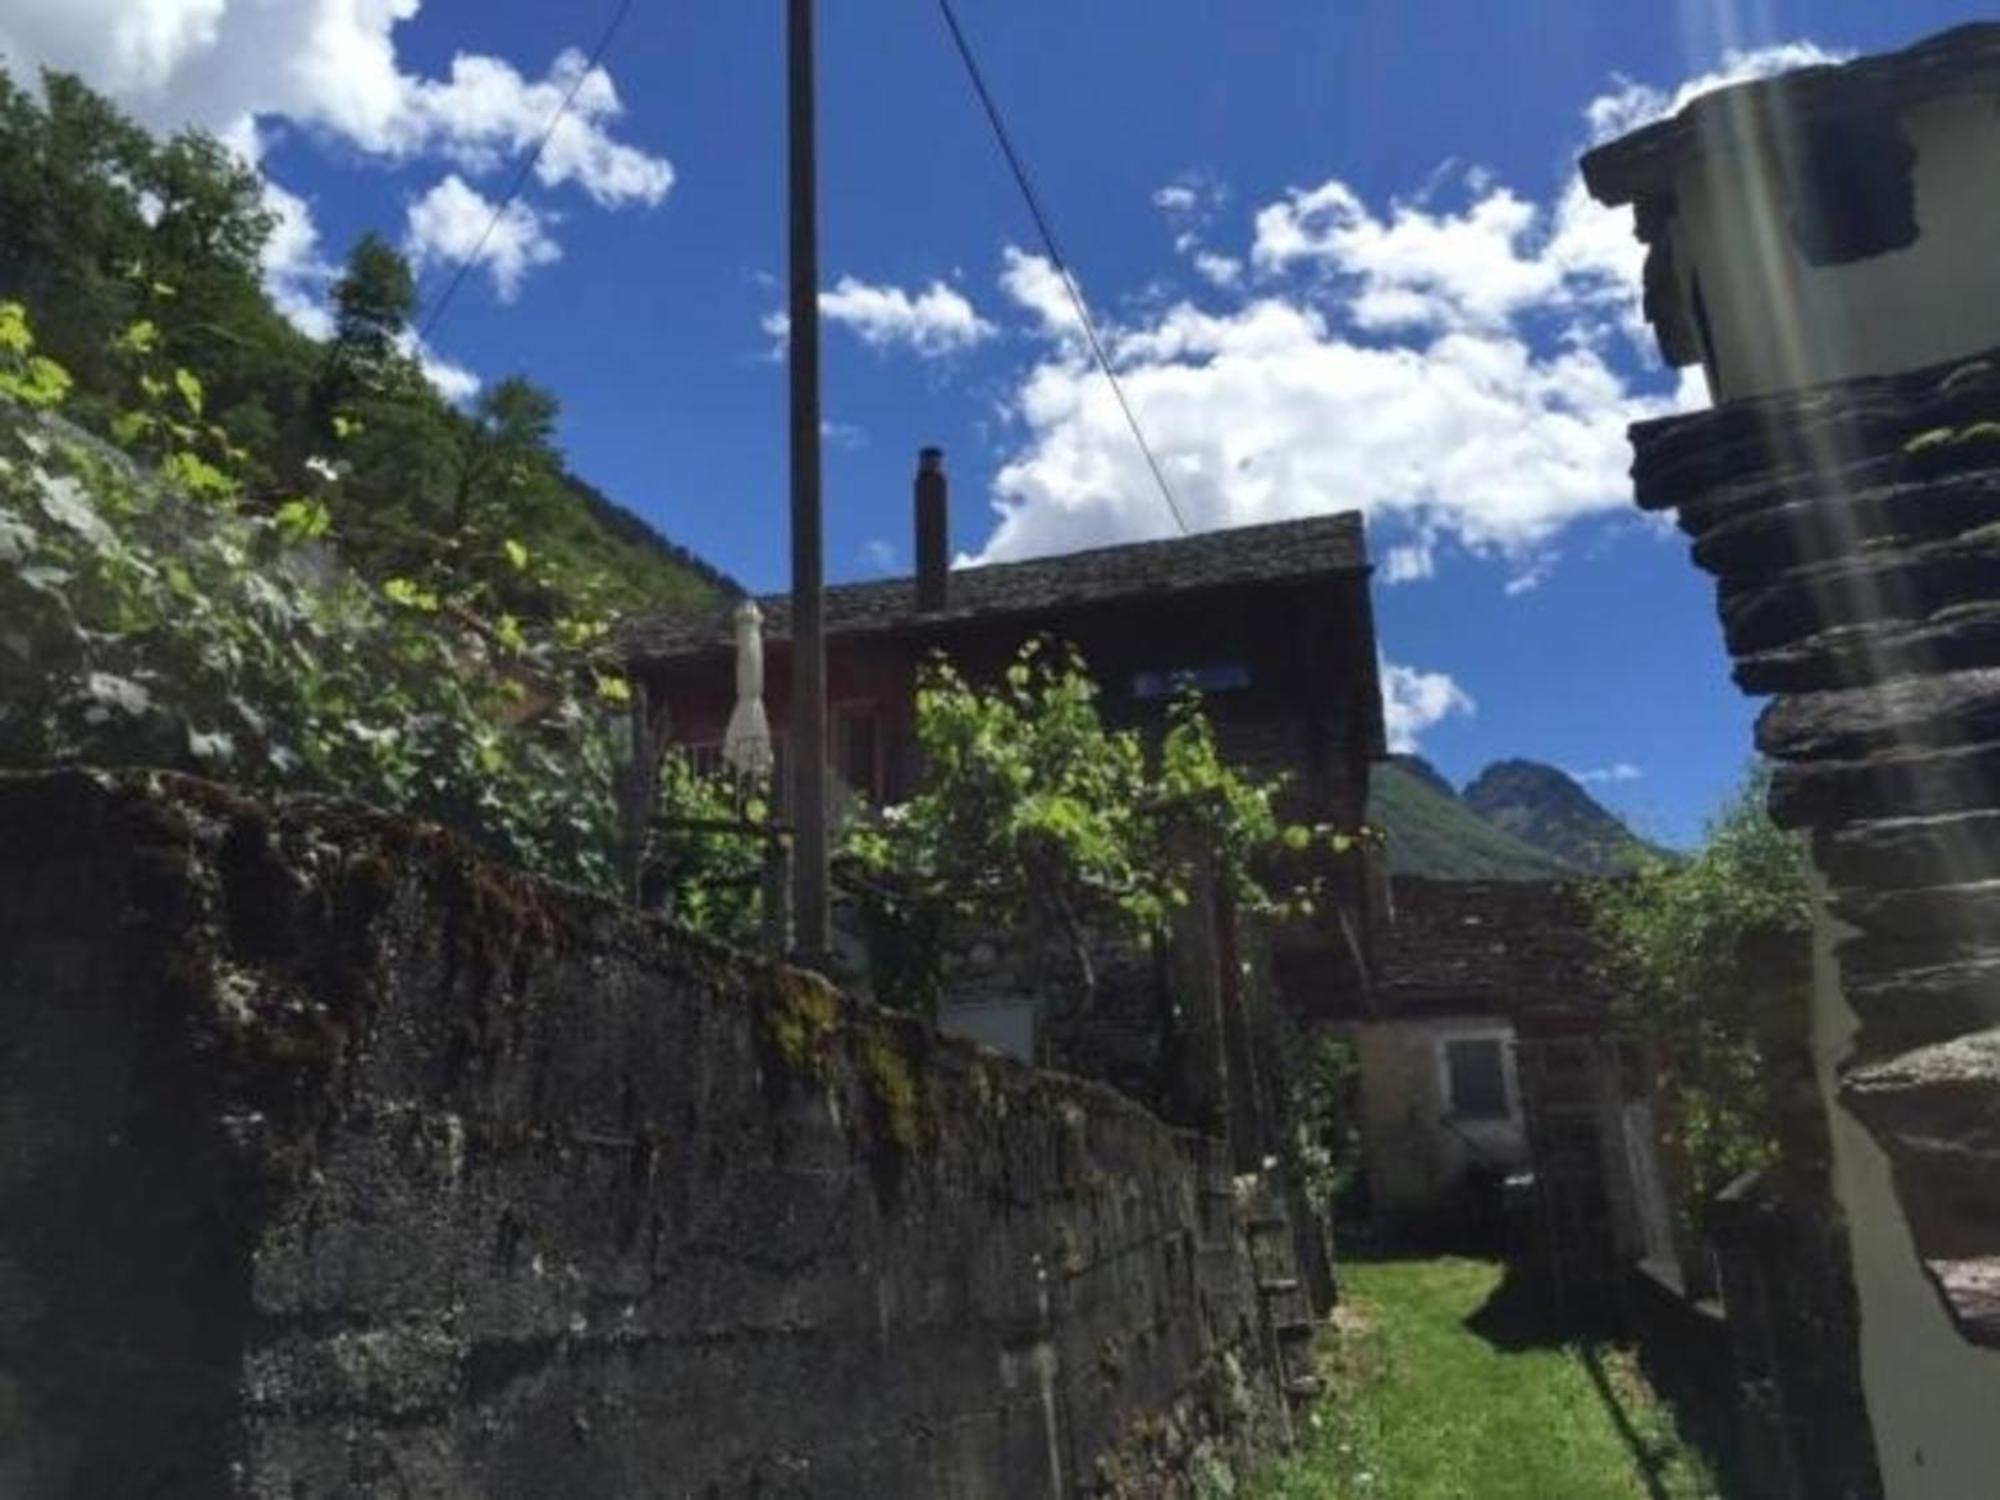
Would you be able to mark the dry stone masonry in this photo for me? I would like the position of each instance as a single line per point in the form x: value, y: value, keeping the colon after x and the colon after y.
x: 341, y: 1162
x: 1854, y: 534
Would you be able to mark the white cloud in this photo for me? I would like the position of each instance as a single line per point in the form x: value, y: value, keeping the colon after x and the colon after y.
x: 1218, y: 270
x: 332, y: 65
x: 1459, y: 367
x: 1499, y: 257
x: 1622, y: 770
x: 881, y: 555
x: 487, y: 113
x: 777, y: 327
x: 842, y: 434
x: 1413, y: 701
x: 453, y: 381
x: 295, y: 273
x: 1193, y: 197
x: 454, y: 222
x: 1269, y: 412
x: 1033, y: 283
x: 936, y: 321
x: 1408, y: 562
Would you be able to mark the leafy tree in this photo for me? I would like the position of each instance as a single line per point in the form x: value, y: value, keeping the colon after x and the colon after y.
x: 106, y: 228
x: 373, y: 299
x: 508, y: 444
x: 1712, y: 954
x: 209, y: 217
x: 69, y: 169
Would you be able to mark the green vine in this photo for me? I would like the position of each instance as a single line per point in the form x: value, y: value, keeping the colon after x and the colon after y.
x: 1036, y: 817
x: 152, y: 617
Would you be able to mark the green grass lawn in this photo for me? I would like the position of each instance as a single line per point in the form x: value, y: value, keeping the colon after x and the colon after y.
x: 1421, y: 1405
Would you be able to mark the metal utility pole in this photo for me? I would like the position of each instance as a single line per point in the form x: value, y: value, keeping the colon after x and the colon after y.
x: 809, y: 871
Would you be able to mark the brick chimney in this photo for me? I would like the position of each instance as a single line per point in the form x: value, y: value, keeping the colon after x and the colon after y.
x: 933, y: 532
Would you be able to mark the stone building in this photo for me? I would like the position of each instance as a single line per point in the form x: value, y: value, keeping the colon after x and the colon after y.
x: 1468, y: 971
x: 1491, y: 1050
x: 1824, y: 244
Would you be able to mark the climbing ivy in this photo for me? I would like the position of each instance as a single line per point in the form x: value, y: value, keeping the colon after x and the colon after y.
x: 148, y: 616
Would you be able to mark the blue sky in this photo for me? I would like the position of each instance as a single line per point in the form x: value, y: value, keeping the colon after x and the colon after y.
x: 1337, y: 250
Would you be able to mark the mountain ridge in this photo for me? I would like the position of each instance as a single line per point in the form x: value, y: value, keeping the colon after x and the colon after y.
x: 1545, y: 806
x: 1529, y: 821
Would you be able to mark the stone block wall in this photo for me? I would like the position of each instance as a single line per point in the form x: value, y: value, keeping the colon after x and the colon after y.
x: 1854, y: 535
x: 339, y: 1162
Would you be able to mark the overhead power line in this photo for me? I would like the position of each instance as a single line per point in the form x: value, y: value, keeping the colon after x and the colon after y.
x: 1056, y: 258
x: 528, y: 162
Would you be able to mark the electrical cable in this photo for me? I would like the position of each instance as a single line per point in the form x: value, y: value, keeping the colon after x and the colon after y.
x: 1056, y: 258
x: 528, y: 163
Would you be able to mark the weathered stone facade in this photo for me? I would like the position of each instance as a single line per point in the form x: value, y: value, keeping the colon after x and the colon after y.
x: 340, y: 1162
x: 1854, y: 533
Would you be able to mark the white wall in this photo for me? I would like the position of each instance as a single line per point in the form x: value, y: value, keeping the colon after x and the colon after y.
x: 1933, y: 1398
x: 1781, y: 323
x: 1415, y: 1161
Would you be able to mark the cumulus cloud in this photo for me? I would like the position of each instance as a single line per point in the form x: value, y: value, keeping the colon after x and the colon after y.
x: 454, y: 223
x: 1408, y: 562
x: 453, y: 381
x: 1034, y: 284
x: 1483, y: 267
x: 1270, y: 412
x: 295, y: 273
x: 1413, y: 701
x: 1460, y: 365
x: 1218, y: 270
x: 1622, y: 770
x: 1192, y: 198
x: 936, y: 321
x: 332, y: 66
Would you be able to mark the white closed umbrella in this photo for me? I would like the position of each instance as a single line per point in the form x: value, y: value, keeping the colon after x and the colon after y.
x: 746, y: 744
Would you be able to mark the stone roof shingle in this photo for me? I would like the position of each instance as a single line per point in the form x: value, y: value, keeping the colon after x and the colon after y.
x: 1279, y: 551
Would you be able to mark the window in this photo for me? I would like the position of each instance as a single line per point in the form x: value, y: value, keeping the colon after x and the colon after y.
x: 1222, y: 677
x: 857, y: 748
x: 1851, y: 189
x: 1475, y: 1078
x: 704, y: 759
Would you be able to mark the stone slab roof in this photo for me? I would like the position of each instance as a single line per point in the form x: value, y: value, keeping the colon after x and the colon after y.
x: 1520, y: 948
x: 1643, y: 164
x: 1283, y: 551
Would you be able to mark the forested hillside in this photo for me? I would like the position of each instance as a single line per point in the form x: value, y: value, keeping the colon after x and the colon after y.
x: 1430, y: 832
x: 228, y: 548
x: 1544, y: 806
x: 130, y: 252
